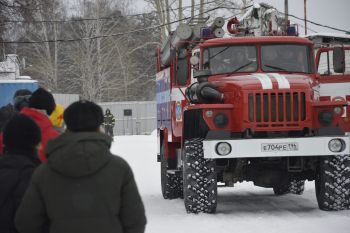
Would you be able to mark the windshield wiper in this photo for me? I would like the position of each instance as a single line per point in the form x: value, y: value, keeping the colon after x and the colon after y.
x: 276, y: 68
x: 239, y: 68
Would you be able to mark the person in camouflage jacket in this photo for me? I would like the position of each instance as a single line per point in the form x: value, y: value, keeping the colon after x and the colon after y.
x: 108, y: 122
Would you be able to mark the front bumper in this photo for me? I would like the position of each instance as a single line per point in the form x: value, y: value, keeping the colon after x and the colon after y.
x: 258, y: 148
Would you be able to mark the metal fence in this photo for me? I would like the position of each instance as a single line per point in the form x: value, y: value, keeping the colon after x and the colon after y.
x: 133, y: 117
x: 65, y: 99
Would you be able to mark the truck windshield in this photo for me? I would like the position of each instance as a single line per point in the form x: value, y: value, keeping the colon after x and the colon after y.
x: 230, y: 59
x: 289, y: 58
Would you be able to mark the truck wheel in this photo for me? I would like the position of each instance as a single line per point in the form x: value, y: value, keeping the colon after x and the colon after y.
x: 333, y: 183
x: 200, y: 183
x: 281, y: 189
x: 294, y: 187
x: 297, y: 187
x: 172, y: 186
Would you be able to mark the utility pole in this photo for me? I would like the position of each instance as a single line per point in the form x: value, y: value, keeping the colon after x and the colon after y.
x: 180, y: 10
x: 286, y: 15
x: 201, y: 8
x: 192, y: 8
x: 305, y: 17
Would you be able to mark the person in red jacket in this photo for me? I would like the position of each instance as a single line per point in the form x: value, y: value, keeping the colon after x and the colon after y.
x: 41, y: 105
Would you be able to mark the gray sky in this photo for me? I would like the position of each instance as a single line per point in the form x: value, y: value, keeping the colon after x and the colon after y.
x: 333, y: 13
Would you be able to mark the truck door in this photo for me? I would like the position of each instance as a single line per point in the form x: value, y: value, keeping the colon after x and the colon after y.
x: 334, y: 85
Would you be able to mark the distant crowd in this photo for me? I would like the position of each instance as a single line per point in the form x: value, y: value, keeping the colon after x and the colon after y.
x: 57, y: 173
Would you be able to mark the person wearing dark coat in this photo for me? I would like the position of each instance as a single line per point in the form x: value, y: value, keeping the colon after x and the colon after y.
x: 21, y: 138
x: 108, y: 122
x: 20, y: 100
x: 6, y: 112
x: 83, y: 188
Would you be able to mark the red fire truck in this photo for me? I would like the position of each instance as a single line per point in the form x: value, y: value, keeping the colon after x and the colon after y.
x: 252, y: 109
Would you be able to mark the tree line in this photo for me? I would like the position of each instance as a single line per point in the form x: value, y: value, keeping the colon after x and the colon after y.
x: 95, y: 48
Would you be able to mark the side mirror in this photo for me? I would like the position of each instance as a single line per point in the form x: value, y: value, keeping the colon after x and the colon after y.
x: 194, y: 60
x: 338, y: 60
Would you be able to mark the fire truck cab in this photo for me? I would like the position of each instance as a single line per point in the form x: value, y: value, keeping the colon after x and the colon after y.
x: 254, y: 109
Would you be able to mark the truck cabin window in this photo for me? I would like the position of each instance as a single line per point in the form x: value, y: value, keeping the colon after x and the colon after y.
x: 286, y: 58
x: 230, y: 59
x: 325, y: 66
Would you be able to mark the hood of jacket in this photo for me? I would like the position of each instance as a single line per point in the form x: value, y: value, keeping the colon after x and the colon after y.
x: 79, y: 154
x: 19, y: 160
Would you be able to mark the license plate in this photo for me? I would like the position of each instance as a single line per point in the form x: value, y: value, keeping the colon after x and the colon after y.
x: 271, y: 147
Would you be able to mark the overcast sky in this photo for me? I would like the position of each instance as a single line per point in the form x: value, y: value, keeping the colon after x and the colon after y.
x: 333, y: 13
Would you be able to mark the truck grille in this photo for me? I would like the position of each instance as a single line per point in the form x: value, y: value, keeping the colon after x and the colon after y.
x: 286, y: 107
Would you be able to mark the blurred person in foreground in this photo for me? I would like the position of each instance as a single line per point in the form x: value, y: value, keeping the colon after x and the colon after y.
x: 21, y: 139
x: 83, y: 188
x: 41, y: 105
x: 6, y: 112
x: 20, y: 100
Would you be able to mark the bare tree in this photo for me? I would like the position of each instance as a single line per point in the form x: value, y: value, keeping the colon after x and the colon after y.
x: 95, y: 64
x: 44, y: 56
x: 106, y: 68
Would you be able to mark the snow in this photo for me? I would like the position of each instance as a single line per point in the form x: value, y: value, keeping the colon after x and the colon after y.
x: 243, y: 208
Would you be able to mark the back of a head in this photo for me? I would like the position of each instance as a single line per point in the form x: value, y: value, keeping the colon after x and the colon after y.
x: 21, y: 99
x: 22, y: 92
x: 83, y: 116
x: 21, y: 133
x: 43, y: 100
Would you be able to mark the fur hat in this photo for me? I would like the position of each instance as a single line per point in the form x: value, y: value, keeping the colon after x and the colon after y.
x: 83, y: 116
x: 21, y: 133
x: 43, y: 100
x: 21, y: 99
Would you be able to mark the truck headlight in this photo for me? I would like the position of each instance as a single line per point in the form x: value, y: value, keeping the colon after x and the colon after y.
x: 223, y: 148
x: 325, y: 118
x: 220, y: 120
x: 336, y: 145
x: 338, y: 110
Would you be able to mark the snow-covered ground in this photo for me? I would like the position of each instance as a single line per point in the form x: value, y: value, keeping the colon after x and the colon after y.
x: 244, y: 208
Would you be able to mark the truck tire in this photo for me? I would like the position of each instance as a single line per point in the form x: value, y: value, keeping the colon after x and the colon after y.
x: 293, y: 187
x: 172, y: 186
x: 297, y: 187
x: 281, y: 189
x: 200, y: 182
x: 332, y: 183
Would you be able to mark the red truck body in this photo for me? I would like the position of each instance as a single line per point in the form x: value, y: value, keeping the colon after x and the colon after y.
x: 274, y: 125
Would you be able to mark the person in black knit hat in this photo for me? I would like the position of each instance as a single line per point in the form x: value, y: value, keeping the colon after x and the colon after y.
x: 43, y: 100
x: 83, y: 116
x: 21, y: 134
x: 41, y: 105
x: 93, y: 182
x: 21, y: 137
